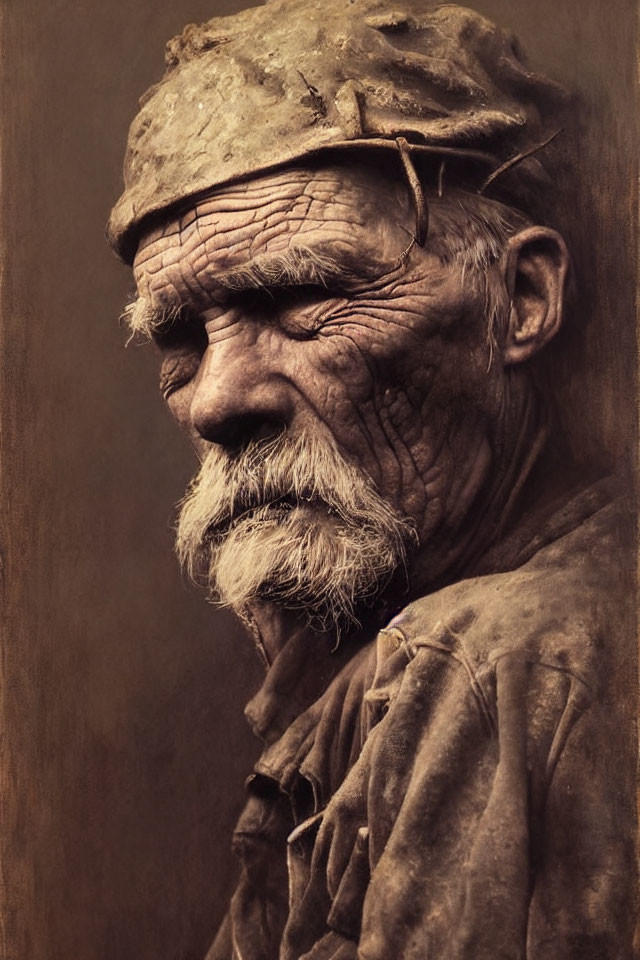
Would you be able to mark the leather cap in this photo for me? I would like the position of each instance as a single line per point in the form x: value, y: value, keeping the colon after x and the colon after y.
x: 292, y: 79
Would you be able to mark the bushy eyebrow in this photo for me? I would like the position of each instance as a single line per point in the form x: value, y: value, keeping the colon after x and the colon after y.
x: 144, y: 321
x: 296, y: 267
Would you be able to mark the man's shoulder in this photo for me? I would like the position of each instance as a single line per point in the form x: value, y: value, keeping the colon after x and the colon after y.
x: 564, y: 607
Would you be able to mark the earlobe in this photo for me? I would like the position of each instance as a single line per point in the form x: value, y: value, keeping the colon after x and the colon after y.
x: 535, y: 266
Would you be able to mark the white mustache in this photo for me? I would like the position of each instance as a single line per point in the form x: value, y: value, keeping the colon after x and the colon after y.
x: 282, y: 472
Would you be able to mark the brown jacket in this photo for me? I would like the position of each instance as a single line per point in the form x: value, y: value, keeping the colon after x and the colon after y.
x: 463, y: 789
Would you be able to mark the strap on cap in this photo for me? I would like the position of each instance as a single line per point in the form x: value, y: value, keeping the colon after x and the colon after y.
x: 420, y: 205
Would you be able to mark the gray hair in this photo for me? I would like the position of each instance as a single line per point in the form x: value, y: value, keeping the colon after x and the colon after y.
x: 472, y: 233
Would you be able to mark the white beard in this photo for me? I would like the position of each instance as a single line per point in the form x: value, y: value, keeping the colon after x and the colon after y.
x: 290, y: 522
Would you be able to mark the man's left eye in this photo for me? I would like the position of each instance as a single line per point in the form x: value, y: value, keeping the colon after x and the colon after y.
x: 302, y: 311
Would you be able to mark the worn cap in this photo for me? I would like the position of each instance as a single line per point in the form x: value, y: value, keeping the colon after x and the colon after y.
x: 289, y: 80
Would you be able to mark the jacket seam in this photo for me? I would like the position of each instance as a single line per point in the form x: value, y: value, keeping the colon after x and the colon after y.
x: 459, y: 657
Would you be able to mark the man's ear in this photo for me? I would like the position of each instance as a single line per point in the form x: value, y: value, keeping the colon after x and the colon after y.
x: 534, y: 266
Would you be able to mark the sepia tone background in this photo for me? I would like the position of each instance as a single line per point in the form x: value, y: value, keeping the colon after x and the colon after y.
x: 124, y: 745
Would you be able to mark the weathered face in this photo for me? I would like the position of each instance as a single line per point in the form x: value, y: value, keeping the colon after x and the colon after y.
x: 306, y: 311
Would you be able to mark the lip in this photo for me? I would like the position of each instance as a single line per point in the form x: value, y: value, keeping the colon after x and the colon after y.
x: 282, y: 506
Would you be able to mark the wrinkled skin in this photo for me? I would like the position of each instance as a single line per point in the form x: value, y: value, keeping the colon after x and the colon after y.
x: 393, y: 363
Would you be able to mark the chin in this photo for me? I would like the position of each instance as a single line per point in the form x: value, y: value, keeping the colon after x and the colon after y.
x: 304, y: 558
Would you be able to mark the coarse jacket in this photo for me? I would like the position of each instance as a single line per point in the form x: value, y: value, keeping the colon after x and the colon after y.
x: 463, y: 787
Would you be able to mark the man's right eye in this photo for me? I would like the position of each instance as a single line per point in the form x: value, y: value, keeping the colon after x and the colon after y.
x: 182, y: 341
x: 177, y: 370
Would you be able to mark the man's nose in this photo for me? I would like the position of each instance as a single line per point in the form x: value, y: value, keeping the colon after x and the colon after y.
x: 238, y: 399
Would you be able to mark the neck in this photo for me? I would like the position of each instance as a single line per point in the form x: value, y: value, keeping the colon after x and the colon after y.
x: 301, y: 663
x: 515, y: 446
x: 273, y: 627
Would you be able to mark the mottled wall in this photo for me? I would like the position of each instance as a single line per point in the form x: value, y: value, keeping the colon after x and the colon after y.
x: 124, y: 743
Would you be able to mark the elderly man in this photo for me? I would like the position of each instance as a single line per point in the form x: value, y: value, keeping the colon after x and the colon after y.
x: 333, y: 212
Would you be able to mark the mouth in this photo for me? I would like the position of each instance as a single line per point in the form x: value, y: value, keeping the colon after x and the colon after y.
x: 278, y: 510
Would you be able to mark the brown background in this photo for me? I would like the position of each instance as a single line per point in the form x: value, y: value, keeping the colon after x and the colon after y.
x: 124, y: 743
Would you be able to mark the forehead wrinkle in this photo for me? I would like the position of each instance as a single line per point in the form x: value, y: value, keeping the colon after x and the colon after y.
x: 294, y: 209
x: 292, y: 181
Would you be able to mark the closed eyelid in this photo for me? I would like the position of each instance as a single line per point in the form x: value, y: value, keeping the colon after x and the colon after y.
x: 263, y: 303
x: 176, y: 371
